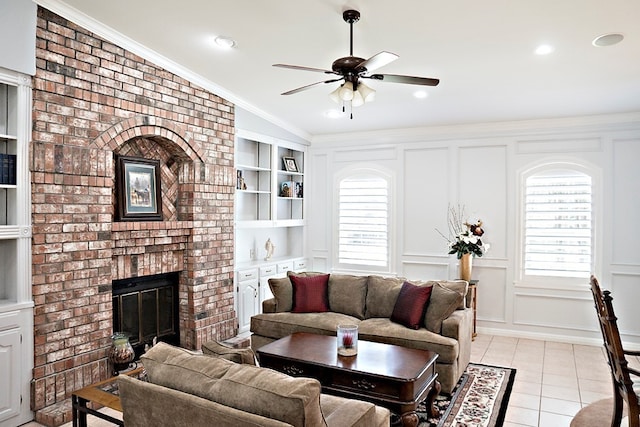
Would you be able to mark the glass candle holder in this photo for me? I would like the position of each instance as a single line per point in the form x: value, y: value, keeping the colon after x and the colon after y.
x: 347, y: 336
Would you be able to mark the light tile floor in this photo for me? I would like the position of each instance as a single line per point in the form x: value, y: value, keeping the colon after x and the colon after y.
x: 553, y: 380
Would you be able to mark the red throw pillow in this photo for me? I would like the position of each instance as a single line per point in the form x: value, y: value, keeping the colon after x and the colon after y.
x: 310, y: 294
x: 410, y: 305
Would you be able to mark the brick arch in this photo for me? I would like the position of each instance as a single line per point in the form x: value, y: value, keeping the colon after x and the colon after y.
x: 145, y: 126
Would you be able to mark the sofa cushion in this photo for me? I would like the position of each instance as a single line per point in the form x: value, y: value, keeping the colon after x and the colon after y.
x: 237, y: 355
x: 310, y: 294
x: 340, y: 411
x: 410, y: 305
x: 384, y: 330
x: 271, y: 394
x: 382, y: 293
x: 183, y: 370
x: 279, y: 325
x: 442, y: 303
x: 347, y: 294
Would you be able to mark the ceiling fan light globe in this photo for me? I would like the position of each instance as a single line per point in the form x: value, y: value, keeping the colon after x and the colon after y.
x: 357, y: 100
x: 367, y: 93
x: 346, y: 91
x: 335, y: 95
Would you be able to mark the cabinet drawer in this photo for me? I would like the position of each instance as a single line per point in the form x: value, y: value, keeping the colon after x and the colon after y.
x: 283, y: 267
x: 268, y: 270
x: 244, y: 275
x: 300, y: 265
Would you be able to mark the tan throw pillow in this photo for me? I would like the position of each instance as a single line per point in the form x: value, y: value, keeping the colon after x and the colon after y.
x: 347, y: 294
x: 282, y: 291
x: 382, y: 293
x: 237, y: 355
x: 460, y: 286
x: 442, y: 303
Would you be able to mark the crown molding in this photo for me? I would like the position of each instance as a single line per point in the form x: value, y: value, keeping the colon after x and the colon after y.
x: 534, y: 127
x: 98, y: 28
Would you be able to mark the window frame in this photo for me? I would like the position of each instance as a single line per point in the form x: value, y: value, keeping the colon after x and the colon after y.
x: 354, y: 173
x: 558, y: 282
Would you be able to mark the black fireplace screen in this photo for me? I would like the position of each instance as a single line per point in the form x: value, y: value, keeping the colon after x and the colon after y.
x: 146, y: 308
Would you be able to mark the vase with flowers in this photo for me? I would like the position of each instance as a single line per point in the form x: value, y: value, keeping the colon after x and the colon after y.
x: 465, y: 240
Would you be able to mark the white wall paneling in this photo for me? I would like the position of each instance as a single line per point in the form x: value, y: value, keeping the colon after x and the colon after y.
x: 492, y: 292
x: 626, y: 200
x: 482, y: 172
x: 419, y: 270
x: 425, y: 195
x: 479, y: 166
x: 550, y: 310
x: 626, y: 309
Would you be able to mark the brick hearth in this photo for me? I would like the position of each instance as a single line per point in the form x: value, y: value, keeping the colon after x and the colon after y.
x: 93, y: 100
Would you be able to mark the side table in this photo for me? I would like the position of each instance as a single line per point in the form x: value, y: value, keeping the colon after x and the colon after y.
x: 473, y: 296
x: 104, y: 393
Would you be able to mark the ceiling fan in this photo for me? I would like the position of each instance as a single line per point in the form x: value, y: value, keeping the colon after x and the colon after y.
x: 351, y: 69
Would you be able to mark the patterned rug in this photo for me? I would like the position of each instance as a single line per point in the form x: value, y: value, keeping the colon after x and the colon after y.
x: 479, y: 399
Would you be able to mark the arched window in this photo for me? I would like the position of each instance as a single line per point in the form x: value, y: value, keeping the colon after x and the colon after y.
x: 363, y: 222
x: 558, y: 222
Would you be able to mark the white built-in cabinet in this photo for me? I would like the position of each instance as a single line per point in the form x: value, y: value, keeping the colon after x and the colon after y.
x: 16, y: 304
x: 269, y: 205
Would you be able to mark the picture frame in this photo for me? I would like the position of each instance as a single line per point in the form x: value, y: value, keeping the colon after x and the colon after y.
x: 290, y: 164
x: 138, y: 189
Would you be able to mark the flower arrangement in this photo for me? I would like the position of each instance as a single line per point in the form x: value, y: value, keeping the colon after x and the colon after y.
x: 466, y: 236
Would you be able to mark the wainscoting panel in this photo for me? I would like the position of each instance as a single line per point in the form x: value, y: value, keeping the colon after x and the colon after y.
x: 482, y: 190
x: 553, y: 311
x: 319, y: 205
x: 492, y: 292
x: 415, y: 270
x: 425, y: 197
x: 626, y: 187
x: 625, y: 290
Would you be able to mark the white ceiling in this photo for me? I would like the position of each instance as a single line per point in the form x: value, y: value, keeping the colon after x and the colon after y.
x: 482, y: 52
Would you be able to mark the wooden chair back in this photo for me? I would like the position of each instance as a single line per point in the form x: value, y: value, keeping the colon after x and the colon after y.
x: 620, y: 370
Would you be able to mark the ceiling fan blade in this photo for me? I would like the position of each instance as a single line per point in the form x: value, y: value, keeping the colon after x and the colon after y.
x: 298, y: 67
x: 376, y: 61
x: 300, y: 89
x: 411, y: 80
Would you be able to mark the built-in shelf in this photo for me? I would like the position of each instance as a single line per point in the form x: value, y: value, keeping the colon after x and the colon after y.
x: 269, y: 204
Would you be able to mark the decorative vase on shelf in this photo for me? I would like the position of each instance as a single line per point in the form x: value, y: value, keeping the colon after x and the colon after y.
x: 465, y: 267
x: 121, y: 354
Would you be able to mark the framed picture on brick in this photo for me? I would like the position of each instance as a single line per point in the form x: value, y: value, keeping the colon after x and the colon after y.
x: 138, y: 194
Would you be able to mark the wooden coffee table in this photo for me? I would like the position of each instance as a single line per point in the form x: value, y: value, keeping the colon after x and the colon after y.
x: 391, y: 376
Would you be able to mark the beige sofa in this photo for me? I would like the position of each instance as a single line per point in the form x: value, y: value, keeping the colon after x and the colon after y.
x: 369, y: 301
x: 187, y: 389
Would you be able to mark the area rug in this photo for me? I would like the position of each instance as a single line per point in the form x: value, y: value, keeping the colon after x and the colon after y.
x: 479, y: 399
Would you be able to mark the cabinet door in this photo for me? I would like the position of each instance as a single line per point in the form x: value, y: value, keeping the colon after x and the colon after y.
x: 248, y: 303
x: 10, y: 371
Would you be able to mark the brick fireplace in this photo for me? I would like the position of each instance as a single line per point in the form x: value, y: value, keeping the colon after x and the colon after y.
x: 92, y: 101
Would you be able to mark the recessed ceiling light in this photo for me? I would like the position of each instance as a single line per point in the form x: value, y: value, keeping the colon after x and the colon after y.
x: 420, y: 94
x: 607, y: 39
x: 225, y: 42
x: 544, y: 49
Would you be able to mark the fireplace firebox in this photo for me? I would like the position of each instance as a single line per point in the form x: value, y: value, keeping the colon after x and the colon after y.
x: 146, y: 308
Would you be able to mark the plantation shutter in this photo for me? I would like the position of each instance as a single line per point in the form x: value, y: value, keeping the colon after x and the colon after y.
x: 558, y: 224
x: 363, y: 221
